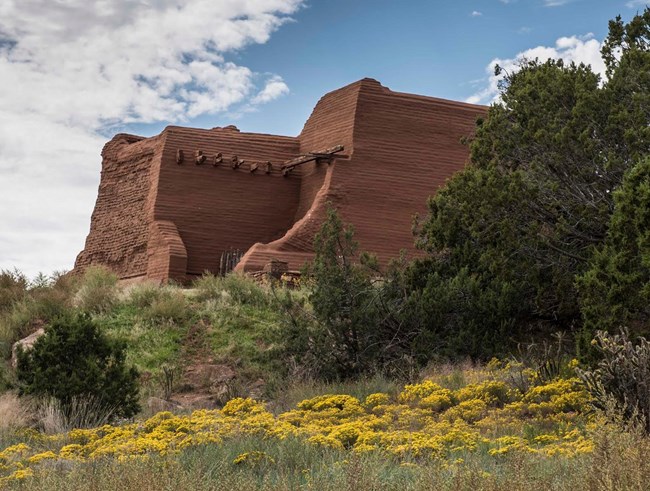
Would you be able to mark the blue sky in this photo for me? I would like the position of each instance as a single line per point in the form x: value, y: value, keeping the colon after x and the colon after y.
x: 73, y: 73
x: 426, y: 47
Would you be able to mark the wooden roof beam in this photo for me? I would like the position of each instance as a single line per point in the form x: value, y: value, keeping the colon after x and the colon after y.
x: 327, y: 154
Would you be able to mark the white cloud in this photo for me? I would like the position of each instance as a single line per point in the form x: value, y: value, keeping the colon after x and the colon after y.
x: 637, y: 3
x: 274, y: 88
x: 72, y: 69
x: 555, y: 3
x: 578, y: 49
x: 476, y: 13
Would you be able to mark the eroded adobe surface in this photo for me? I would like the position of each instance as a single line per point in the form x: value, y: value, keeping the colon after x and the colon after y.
x: 169, y: 206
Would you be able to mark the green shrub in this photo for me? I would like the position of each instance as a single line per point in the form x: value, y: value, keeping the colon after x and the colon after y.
x: 340, y: 338
x: 40, y: 304
x: 235, y: 287
x: 171, y: 305
x: 209, y: 287
x: 74, y: 359
x: 615, y: 291
x: 98, y: 290
x: 13, y: 287
x: 619, y: 383
x: 157, y: 303
x: 143, y: 295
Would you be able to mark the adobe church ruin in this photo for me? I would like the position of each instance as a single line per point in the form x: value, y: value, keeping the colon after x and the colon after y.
x: 172, y: 206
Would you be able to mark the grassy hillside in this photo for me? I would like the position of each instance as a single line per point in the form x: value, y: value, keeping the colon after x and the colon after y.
x: 221, y: 321
x: 268, y: 425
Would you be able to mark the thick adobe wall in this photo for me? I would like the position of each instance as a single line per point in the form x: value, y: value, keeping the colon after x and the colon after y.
x: 201, y: 211
x: 161, y: 219
x: 119, y: 227
x: 331, y: 123
x: 405, y: 148
x: 400, y: 149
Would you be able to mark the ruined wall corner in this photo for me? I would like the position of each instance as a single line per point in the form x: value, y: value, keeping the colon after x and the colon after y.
x: 166, y: 253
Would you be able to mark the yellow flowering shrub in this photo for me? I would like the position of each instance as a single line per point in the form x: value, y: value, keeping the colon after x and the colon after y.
x: 377, y: 399
x: 492, y: 392
x: 424, y: 421
x: 344, y: 404
x: 469, y: 410
x: 438, y: 401
x: 242, y: 406
x: 416, y: 392
x: 39, y: 457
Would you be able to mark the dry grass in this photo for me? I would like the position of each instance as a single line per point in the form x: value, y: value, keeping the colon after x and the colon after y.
x: 82, y: 412
x: 15, y: 413
x: 98, y: 291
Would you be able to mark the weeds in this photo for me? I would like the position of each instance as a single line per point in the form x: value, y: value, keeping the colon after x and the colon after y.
x: 13, y: 287
x: 80, y: 412
x: 15, y: 412
x: 235, y: 288
x: 98, y: 291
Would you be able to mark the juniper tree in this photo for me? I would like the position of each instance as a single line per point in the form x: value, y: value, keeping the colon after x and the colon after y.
x: 75, y: 359
x: 507, y: 237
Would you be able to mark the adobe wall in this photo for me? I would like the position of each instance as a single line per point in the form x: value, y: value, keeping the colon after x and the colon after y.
x: 401, y: 149
x: 331, y: 123
x: 216, y: 209
x: 161, y: 219
x: 119, y: 226
x: 405, y: 148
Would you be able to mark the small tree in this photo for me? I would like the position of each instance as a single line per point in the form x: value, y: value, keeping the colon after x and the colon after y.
x: 74, y: 359
x: 343, y: 298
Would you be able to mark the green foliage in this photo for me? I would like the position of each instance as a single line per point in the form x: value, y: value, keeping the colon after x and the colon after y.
x: 615, y: 291
x: 619, y: 383
x: 75, y: 359
x: 352, y: 322
x: 507, y: 237
x: 143, y: 295
x: 159, y: 303
x: 342, y: 295
x: 150, y: 343
x: 626, y: 52
x: 343, y: 300
x: 43, y: 300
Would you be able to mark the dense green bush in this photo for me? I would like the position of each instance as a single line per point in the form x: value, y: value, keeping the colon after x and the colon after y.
x: 507, y: 237
x: 73, y: 359
x: 351, y: 321
x: 616, y: 288
x: 342, y: 296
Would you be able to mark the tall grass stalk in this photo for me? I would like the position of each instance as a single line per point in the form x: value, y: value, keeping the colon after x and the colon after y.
x: 55, y: 417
